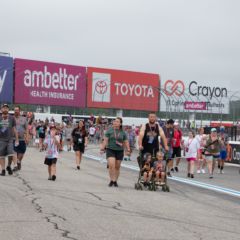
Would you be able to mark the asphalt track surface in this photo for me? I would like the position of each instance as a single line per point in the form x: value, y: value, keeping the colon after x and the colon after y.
x: 80, y: 205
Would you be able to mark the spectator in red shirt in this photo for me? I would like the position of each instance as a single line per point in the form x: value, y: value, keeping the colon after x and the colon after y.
x: 176, y: 144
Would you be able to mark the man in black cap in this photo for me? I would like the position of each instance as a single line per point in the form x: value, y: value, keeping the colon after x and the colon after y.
x: 7, y: 131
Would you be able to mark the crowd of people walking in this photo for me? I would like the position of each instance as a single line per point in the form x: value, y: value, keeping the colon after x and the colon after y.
x: 200, y: 150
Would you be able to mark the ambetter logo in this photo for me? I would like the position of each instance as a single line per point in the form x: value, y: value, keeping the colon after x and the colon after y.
x: 171, y: 87
x: 2, y: 80
x: 101, y: 87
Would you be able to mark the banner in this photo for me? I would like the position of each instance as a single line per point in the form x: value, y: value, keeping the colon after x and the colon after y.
x: 234, y: 152
x: 48, y: 83
x: 118, y: 89
x: 195, y: 106
x: 194, y: 96
x: 6, y: 79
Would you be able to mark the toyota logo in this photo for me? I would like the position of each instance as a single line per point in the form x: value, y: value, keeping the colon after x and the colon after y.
x: 171, y: 87
x: 101, y: 87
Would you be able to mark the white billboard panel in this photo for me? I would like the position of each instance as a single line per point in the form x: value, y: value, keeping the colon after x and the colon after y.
x: 194, y: 96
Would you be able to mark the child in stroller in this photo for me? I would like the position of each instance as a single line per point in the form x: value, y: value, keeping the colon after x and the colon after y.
x: 159, y: 169
x: 152, y: 170
x: 147, y: 169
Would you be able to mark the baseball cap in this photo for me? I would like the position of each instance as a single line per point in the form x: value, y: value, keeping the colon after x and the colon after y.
x: 5, y: 105
x: 213, y: 130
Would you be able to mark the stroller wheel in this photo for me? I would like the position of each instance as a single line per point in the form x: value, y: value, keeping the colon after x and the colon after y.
x: 154, y: 187
x: 164, y: 188
x: 138, y: 186
x: 167, y: 188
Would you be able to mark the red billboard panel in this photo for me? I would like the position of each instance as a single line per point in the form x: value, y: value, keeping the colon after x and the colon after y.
x: 118, y: 89
x: 47, y: 83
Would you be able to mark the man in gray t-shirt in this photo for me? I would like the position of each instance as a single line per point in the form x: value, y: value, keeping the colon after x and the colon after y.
x: 23, y: 136
x: 7, y: 130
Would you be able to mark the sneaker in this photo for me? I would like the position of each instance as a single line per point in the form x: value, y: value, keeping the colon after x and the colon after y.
x: 49, y: 178
x: 110, y: 184
x: 221, y: 171
x: 53, y: 177
x: 19, y: 165
x: 198, y: 171
x: 115, y: 184
x: 15, y: 169
x: 211, y: 176
x: 3, y: 173
x: 176, y: 169
x: 203, y: 171
x: 192, y: 176
x: 188, y: 175
x: 169, y: 174
x: 9, y: 170
x: 78, y: 167
x: 172, y: 170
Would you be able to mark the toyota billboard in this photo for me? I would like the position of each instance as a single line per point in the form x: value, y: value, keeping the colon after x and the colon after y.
x: 48, y: 83
x: 194, y: 96
x: 117, y: 89
x: 6, y: 79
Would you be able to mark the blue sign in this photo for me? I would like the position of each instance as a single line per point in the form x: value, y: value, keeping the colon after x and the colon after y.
x: 6, y: 79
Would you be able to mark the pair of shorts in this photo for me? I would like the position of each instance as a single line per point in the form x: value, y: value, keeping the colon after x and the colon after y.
x: 152, y: 151
x: 21, y: 148
x: 209, y: 157
x: 118, y: 155
x: 6, y: 148
x: 42, y: 136
x: 191, y: 159
x: 79, y: 148
x: 177, y: 152
x: 50, y: 161
x: 223, y: 155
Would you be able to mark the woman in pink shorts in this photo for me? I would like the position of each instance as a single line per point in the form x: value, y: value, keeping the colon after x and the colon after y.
x: 191, y: 150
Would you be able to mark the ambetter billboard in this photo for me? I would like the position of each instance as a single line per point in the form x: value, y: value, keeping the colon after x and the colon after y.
x: 47, y: 83
x: 6, y: 79
x: 109, y: 88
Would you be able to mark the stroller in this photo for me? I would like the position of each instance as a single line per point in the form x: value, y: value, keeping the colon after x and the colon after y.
x: 152, y: 184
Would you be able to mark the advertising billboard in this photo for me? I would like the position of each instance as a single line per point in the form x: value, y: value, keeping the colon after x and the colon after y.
x: 195, y: 105
x: 46, y: 83
x: 194, y: 96
x: 234, y: 152
x: 6, y: 79
x: 118, y: 89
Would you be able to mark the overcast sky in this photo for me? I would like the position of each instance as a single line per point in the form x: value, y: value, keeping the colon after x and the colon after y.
x: 179, y: 39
